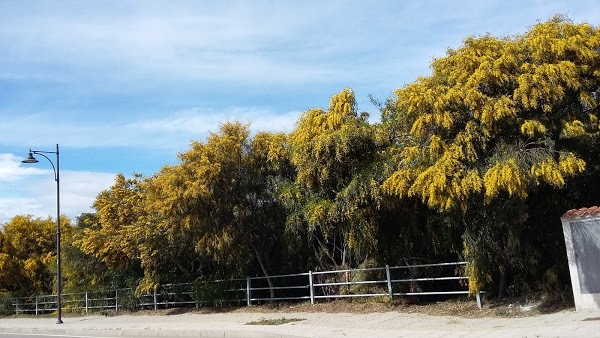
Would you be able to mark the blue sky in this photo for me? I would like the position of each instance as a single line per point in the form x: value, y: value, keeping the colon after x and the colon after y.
x: 123, y: 86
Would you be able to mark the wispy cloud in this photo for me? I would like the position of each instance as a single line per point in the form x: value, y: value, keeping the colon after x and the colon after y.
x: 170, y: 131
x: 202, y: 119
x: 254, y: 42
x: 234, y: 41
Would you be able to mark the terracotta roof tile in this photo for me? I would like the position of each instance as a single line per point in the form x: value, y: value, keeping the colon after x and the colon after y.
x: 583, y: 212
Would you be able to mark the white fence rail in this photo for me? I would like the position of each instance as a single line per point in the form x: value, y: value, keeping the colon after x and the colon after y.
x: 441, y: 279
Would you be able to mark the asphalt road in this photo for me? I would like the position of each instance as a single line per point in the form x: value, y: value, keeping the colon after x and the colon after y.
x: 40, y: 335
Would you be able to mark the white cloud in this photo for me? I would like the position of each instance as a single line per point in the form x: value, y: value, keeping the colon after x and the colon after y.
x: 198, y: 119
x: 172, y: 131
x: 229, y: 41
x: 26, y: 190
x: 8, y: 206
x: 253, y: 42
x: 10, y: 169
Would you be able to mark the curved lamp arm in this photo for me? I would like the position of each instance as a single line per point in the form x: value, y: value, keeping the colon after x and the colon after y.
x: 37, y: 152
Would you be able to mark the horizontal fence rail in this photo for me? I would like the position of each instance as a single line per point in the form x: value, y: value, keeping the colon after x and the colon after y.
x: 440, y: 279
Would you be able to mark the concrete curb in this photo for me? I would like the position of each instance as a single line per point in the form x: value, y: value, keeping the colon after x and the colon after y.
x: 146, y: 333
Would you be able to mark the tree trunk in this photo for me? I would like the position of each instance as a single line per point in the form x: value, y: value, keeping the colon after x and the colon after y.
x: 502, y: 282
x: 512, y: 246
x: 181, y: 267
x: 265, y: 271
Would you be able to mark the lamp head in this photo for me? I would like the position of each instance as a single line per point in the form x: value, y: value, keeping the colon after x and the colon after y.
x: 30, y: 158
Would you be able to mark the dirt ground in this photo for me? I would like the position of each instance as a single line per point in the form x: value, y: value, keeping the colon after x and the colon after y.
x: 462, y: 307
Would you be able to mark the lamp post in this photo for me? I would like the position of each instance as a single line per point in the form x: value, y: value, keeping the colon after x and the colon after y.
x: 31, y: 159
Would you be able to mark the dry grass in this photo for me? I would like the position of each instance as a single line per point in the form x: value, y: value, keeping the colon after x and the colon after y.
x: 461, y: 307
x: 276, y: 321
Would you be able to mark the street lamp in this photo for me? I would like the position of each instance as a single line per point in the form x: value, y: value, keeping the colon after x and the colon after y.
x: 31, y: 159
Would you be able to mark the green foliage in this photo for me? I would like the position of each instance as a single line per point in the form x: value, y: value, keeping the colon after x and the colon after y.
x: 491, y: 95
x: 211, y: 293
x: 86, y: 272
x: 6, y: 307
x: 217, y: 207
x: 223, y: 193
x: 128, y: 300
x: 494, y: 122
x: 477, y: 160
x: 28, y: 253
x: 361, y: 276
x: 110, y: 233
x: 333, y: 200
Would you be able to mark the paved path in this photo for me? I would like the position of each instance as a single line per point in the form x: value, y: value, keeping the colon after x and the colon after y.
x: 388, y: 324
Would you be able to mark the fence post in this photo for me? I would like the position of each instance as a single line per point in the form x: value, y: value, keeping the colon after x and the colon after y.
x: 479, y: 299
x: 36, y: 305
x: 312, y: 288
x: 155, y: 303
x: 248, y: 287
x: 17, y: 306
x: 116, y: 300
x: 86, y: 302
x: 389, y: 282
x: 195, y: 293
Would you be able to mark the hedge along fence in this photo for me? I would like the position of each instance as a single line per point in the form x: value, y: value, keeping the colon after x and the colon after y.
x: 386, y: 283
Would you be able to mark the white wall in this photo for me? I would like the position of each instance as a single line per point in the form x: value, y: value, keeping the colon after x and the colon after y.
x: 582, y: 240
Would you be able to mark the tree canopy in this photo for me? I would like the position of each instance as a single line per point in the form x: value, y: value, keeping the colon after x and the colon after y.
x: 497, y: 119
x: 496, y: 115
x: 28, y: 253
x: 476, y: 161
